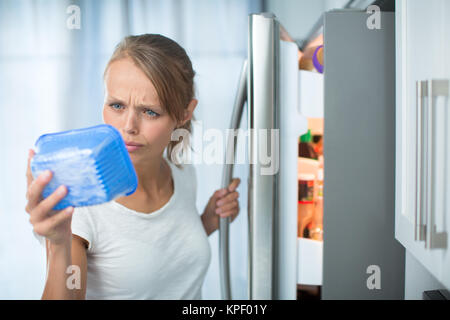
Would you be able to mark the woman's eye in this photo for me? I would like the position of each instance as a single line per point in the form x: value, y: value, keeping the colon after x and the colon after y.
x: 115, y: 106
x: 151, y: 113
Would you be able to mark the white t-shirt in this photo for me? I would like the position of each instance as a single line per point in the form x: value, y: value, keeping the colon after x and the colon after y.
x: 135, y: 255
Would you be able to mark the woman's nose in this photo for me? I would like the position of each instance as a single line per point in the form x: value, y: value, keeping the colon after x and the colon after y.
x: 131, y: 123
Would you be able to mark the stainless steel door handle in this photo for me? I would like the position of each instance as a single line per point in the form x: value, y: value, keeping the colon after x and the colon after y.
x: 263, y: 108
x: 224, y: 254
x: 435, y: 240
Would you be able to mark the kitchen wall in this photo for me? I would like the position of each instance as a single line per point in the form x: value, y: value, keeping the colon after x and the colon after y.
x: 299, y: 16
x: 51, y: 80
x: 418, y: 279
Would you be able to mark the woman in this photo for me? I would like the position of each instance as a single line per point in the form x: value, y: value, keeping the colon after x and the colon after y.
x: 151, y: 244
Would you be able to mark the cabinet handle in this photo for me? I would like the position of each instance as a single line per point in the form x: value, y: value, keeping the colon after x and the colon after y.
x: 424, y: 158
x: 435, y: 239
x: 419, y: 227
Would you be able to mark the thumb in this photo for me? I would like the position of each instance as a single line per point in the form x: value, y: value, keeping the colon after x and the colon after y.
x: 28, y: 174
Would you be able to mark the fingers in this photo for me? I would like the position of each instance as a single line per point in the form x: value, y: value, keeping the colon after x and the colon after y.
x: 46, y: 225
x: 228, y: 198
x: 220, y: 193
x: 231, y: 213
x: 227, y: 207
x: 41, y: 211
x: 28, y: 174
x: 224, y: 201
x: 234, y: 184
x: 35, y: 189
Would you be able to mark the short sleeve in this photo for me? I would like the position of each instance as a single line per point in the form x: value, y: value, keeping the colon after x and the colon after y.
x: 83, y: 226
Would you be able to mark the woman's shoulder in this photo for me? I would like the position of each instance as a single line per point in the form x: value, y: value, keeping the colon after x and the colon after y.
x: 92, y: 208
x: 89, y: 214
x: 185, y: 176
x: 186, y: 171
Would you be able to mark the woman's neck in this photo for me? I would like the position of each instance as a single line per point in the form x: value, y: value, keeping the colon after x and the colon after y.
x: 154, y: 181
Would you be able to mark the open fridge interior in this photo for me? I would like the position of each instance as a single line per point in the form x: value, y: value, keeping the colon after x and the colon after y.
x: 310, y: 211
x: 299, y: 215
x: 310, y: 174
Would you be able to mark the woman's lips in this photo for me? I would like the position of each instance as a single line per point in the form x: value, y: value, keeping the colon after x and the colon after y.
x: 132, y: 146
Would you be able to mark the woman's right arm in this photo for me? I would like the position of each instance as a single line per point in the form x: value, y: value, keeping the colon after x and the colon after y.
x: 63, y: 282
x: 63, y: 249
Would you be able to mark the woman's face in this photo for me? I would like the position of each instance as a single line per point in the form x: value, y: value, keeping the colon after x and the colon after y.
x: 132, y: 106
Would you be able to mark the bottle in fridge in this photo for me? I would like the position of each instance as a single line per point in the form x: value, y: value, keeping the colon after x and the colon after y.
x: 316, y: 232
x: 305, y: 202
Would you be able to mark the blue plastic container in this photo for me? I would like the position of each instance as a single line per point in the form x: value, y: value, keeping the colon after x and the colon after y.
x: 93, y: 163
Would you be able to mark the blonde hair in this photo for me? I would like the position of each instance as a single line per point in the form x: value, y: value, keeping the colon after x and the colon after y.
x: 168, y: 67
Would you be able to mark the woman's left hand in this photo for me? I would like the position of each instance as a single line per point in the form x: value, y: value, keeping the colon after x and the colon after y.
x: 222, y: 204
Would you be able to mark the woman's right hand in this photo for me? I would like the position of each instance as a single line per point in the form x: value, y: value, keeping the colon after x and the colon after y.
x: 53, y: 225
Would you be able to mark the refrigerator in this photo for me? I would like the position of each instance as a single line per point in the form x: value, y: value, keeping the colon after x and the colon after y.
x: 359, y: 257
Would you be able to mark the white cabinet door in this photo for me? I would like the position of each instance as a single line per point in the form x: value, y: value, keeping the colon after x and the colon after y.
x: 422, y: 133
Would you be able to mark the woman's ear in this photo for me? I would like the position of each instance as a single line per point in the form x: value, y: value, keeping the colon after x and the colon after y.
x: 189, y: 111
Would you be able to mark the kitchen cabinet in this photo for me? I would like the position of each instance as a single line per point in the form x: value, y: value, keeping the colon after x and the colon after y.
x: 422, y: 213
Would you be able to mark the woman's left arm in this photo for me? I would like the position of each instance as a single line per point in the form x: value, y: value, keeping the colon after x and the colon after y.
x: 223, y: 203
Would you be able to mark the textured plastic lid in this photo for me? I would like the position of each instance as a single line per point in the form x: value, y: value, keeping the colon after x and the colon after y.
x: 93, y: 163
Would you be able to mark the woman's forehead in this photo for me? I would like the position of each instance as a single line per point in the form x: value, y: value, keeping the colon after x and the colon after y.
x: 123, y: 79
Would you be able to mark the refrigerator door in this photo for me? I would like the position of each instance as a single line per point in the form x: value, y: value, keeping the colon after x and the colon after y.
x: 275, y: 125
x: 264, y: 39
x: 362, y: 259
x: 292, y: 126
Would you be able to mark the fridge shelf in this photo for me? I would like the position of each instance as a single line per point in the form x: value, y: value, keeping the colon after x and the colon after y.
x: 310, y: 94
x: 309, y: 262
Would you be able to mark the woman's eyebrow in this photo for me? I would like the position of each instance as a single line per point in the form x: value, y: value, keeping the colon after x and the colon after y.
x: 112, y: 99
x: 140, y: 106
x: 148, y: 106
